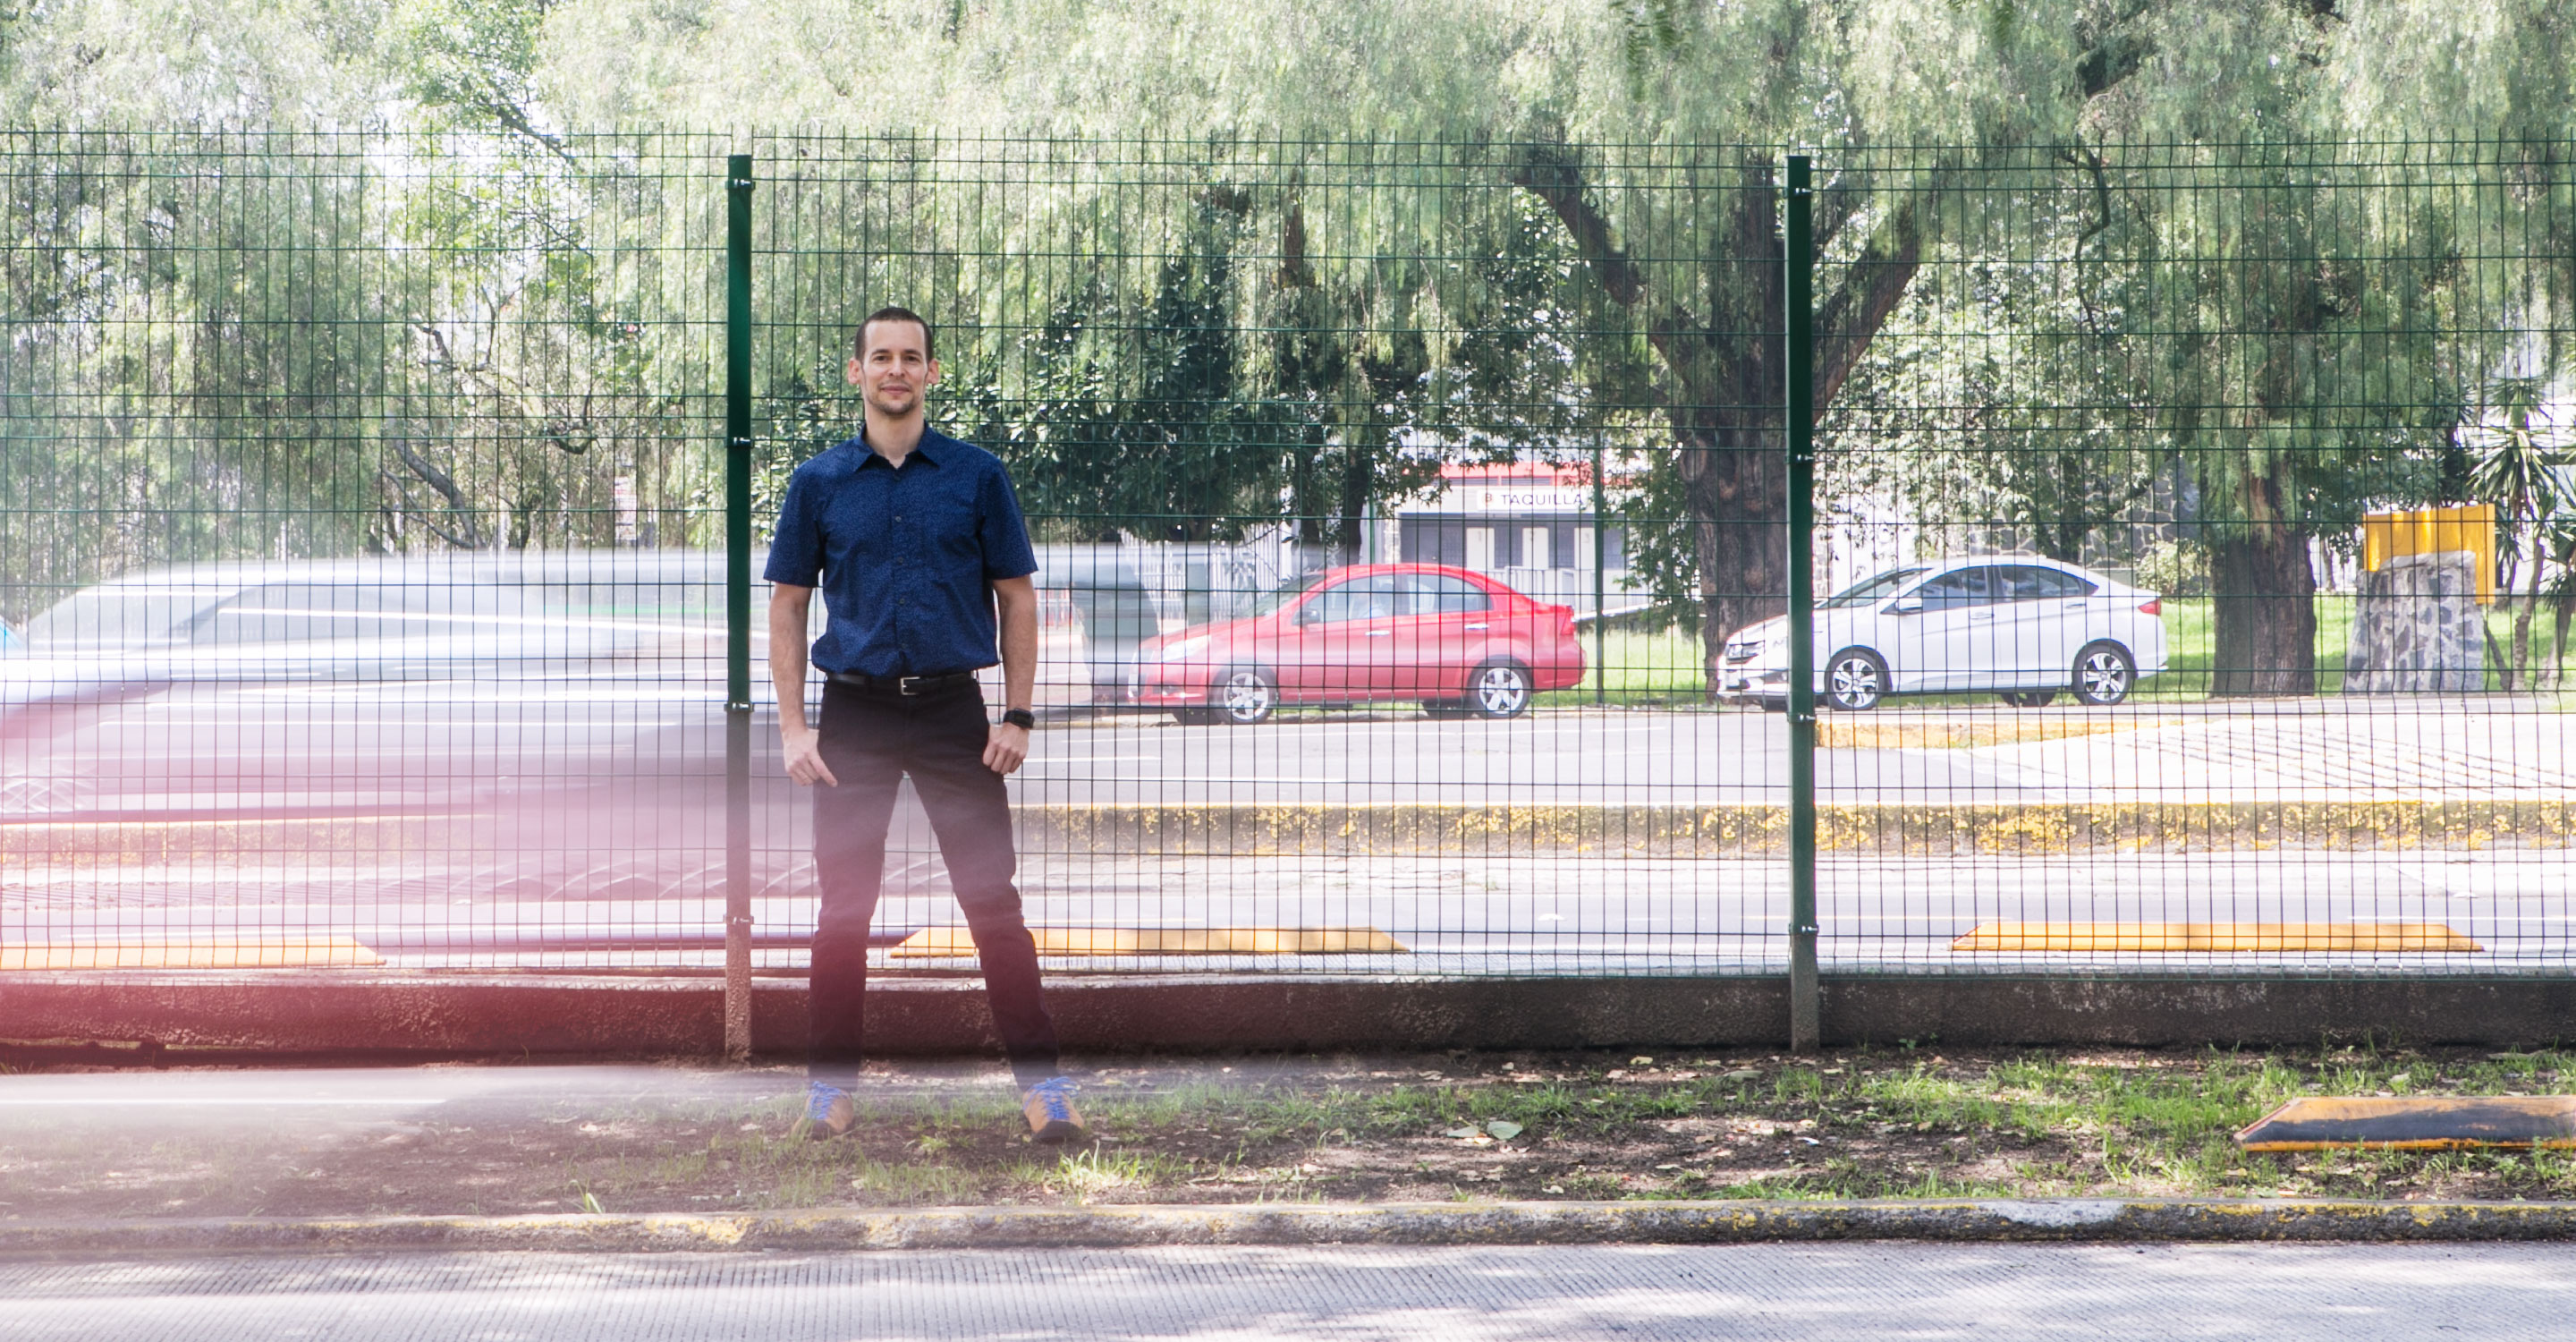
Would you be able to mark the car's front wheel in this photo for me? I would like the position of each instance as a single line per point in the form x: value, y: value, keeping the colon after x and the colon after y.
x: 1855, y: 680
x: 1246, y: 696
x: 2104, y: 675
x: 1499, y: 689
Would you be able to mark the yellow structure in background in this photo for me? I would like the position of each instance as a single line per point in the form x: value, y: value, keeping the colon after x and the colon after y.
x: 2464, y: 526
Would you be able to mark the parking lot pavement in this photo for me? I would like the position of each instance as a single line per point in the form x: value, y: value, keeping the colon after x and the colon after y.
x: 2346, y: 1293
x: 534, y: 823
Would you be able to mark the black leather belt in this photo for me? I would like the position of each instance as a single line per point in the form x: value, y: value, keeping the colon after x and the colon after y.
x: 899, y: 684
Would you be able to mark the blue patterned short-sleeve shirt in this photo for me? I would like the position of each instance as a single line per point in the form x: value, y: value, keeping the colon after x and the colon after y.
x: 903, y: 556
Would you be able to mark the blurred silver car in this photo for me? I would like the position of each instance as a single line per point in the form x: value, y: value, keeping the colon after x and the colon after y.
x: 367, y: 619
x: 2019, y: 625
x: 622, y: 614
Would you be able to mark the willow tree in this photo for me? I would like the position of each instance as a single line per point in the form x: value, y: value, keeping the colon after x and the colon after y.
x: 1649, y: 134
x: 2339, y: 251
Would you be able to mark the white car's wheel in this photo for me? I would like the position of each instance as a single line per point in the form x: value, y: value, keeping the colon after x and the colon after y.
x: 1247, y: 696
x: 2104, y: 675
x: 1855, y: 680
x: 1499, y: 689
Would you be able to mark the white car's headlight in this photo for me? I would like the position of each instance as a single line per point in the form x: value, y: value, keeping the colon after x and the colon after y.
x: 1181, y: 651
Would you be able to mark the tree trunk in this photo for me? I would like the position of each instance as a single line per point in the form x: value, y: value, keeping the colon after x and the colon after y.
x: 1735, y: 479
x: 2555, y: 675
x: 2525, y: 674
x: 2562, y: 606
x: 2265, y: 614
x: 1359, y: 481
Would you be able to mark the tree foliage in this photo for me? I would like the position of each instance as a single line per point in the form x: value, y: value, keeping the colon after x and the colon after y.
x: 2090, y: 269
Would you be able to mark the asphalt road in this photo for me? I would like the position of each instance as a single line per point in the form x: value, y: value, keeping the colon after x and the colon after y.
x: 2335, y: 1293
x: 352, y: 748
x: 581, y: 824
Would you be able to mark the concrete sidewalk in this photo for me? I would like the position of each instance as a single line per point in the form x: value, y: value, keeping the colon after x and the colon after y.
x: 2333, y: 1293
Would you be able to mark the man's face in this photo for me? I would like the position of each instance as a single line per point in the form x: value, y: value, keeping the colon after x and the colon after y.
x: 895, y: 370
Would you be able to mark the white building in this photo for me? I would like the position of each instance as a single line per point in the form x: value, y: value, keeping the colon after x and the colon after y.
x: 1528, y: 524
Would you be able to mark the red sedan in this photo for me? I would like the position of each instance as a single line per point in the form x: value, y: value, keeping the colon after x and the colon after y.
x: 1459, y: 642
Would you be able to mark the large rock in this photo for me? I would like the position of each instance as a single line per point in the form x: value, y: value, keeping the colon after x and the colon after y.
x: 2416, y: 629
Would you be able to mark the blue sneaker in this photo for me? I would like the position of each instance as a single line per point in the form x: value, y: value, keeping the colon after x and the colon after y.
x: 1048, y: 1106
x: 829, y: 1111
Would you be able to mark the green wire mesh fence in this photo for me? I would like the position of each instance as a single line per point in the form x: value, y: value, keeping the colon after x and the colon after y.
x: 2192, y: 529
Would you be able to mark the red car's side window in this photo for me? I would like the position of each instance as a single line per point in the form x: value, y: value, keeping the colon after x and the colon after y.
x: 1442, y: 594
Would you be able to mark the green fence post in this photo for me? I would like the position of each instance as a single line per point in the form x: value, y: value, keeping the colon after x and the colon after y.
x: 737, y: 992
x: 1804, y: 1013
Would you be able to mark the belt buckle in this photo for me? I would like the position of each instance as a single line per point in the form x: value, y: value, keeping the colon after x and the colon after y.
x: 908, y: 684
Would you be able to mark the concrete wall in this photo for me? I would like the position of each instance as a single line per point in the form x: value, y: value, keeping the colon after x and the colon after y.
x: 534, y: 1015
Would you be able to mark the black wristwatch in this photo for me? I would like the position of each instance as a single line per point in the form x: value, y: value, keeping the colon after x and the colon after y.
x: 1021, y: 718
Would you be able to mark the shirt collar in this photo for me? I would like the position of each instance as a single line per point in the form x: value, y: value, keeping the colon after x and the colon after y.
x: 928, y: 449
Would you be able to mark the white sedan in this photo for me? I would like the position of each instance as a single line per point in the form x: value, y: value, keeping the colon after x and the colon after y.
x: 2019, y: 625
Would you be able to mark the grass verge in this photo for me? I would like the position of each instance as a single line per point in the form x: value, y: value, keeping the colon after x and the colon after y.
x: 1892, y: 1122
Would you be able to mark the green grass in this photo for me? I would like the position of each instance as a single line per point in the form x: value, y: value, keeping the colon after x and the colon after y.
x: 1630, y: 666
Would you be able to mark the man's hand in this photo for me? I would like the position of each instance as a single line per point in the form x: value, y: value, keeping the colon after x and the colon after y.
x: 787, y: 611
x: 805, y: 757
x: 1006, y: 748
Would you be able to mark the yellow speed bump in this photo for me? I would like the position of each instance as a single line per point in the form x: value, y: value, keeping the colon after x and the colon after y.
x: 298, y: 953
x: 957, y: 941
x: 2358, y: 938
x: 2320, y: 1122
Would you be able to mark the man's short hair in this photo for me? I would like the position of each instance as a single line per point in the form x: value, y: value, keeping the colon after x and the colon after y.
x: 859, y: 338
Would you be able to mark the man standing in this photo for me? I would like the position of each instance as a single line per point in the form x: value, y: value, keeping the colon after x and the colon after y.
x: 915, y: 538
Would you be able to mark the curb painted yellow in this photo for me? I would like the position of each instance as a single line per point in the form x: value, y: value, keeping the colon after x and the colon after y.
x: 950, y: 942
x: 2380, y: 938
x: 1405, y: 828
x: 147, y: 841
x: 289, y: 953
x: 2034, y: 829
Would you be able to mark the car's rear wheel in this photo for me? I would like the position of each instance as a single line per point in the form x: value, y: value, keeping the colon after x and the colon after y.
x: 1855, y: 680
x: 1246, y: 696
x: 2030, y: 698
x: 1499, y: 689
x: 2104, y: 675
